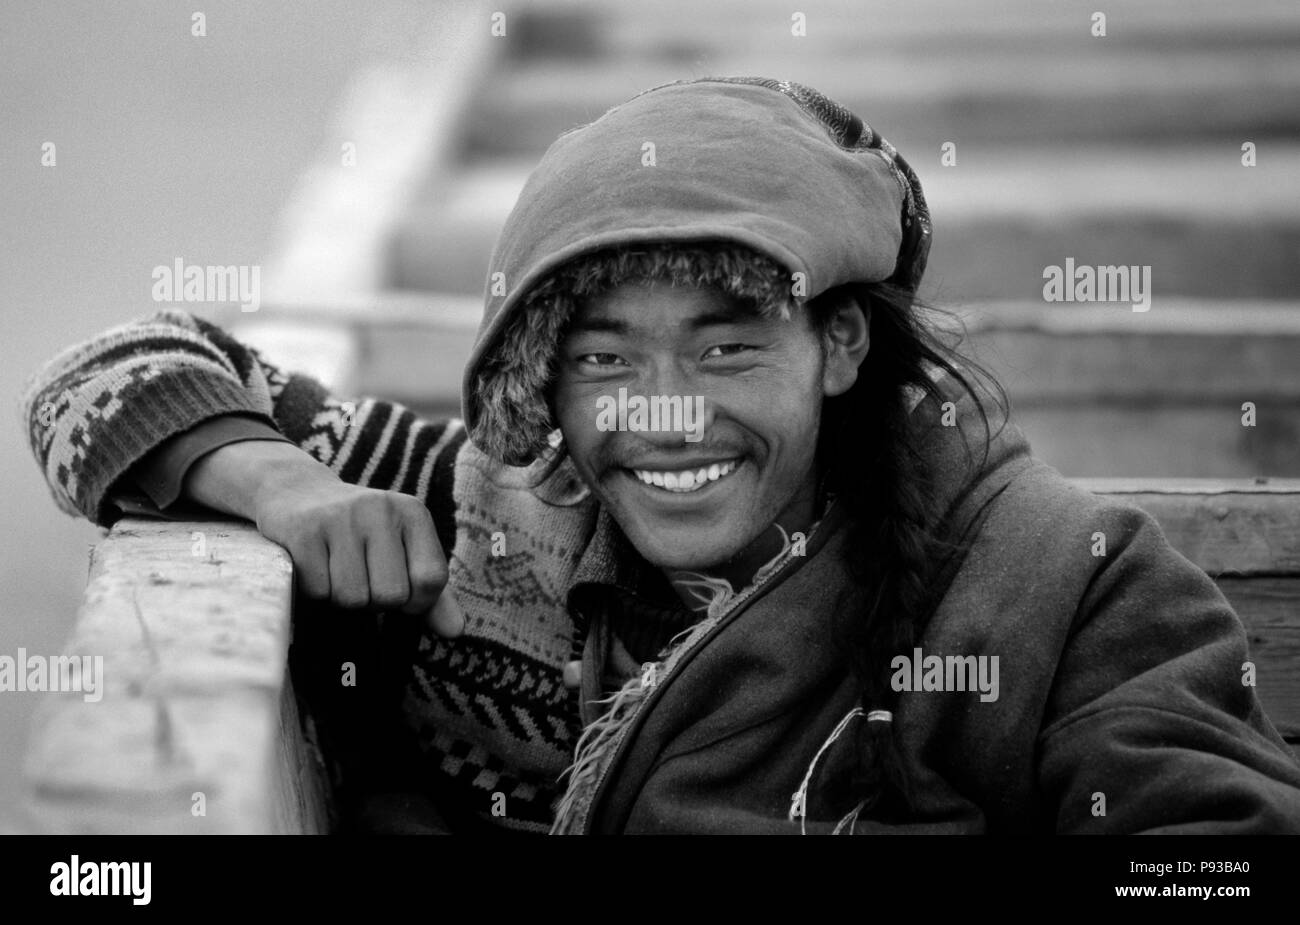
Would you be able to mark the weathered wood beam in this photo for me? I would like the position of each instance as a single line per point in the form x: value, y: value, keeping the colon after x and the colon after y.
x: 197, y: 729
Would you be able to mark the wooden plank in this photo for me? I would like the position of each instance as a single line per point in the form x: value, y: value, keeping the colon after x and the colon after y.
x: 406, y: 347
x: 1074, y: 70
x: 1018, y: 70
x: 192, y: 622
x: 1094, y: 369
x: 1227, y: 533
x: 1189, y: 440
x: 1270, y: 610
x: 1255, y: 488
x: 995, y: 256
x: 889, y: 22
x: 1182, y: 350
x: 301, y: 793
x: 1177, y: 315
x: 415, y: 363
x: 1039, y: 108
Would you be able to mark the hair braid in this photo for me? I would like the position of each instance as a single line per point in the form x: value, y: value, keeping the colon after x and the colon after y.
x: 874, y: 466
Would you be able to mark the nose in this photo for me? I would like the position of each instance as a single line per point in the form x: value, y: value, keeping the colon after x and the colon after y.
x: 685, y: 413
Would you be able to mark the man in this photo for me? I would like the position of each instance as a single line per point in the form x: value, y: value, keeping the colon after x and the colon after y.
x: 734, y: 544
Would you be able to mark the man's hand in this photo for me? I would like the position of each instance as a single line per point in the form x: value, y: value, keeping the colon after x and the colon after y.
x: 355, y: 547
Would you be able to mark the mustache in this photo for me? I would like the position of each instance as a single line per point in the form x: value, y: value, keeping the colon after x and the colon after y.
x: 629, y: 457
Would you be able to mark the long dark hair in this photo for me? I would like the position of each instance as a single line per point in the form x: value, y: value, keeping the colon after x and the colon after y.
x: 867, y: 446
x: 868, y: 449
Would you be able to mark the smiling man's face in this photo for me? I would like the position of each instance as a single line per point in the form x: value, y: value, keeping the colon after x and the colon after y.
x: 762, y: 382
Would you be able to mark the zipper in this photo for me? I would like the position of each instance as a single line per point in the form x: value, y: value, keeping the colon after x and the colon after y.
x: 664, y: 675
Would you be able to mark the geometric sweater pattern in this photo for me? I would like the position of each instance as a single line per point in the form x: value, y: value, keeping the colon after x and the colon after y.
x: 99, y: 406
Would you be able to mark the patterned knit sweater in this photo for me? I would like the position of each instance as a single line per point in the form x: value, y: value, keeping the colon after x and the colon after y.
x: 489, y: 710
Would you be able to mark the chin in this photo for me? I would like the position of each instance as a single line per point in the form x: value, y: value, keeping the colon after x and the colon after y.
x: 666, y: 554
x: 683, y: 547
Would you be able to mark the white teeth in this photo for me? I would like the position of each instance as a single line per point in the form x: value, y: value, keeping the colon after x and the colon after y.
x: 686, y: 480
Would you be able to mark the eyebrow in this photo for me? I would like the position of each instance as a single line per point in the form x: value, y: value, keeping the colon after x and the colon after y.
x: 709, y: 319
x: 598, y: 326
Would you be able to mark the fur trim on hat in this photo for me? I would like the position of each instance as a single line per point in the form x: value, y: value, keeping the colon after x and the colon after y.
x: 514, y: 382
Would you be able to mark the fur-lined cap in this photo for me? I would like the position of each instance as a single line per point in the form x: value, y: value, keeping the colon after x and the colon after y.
x: 658, y: 188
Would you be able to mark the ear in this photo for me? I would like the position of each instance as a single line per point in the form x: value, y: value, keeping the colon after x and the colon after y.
x: 845, y: 343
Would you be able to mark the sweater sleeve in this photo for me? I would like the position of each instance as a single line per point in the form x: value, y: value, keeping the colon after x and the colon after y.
x: 161, y: 473
x: 100, y: 407
x: 1150, y: 727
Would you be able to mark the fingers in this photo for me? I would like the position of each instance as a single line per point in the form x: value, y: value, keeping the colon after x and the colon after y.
x: 311, y: 566
x: 426, y: 566
x: 371, y: 549
x: 447, y: 619
x: 386, y: 566
x: 349, y: 579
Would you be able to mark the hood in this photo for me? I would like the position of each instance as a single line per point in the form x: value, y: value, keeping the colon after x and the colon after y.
x: 767, y: 164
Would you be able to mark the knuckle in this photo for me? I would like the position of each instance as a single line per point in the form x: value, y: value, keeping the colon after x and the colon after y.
x: 388, y: 596
x: 429, y: 577
x: 410, y: 505
x: 412, y: 512
x: 338, y: 523
x: 376, y: 505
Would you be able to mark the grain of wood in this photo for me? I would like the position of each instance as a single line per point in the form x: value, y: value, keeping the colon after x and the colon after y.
x: 192, y: 621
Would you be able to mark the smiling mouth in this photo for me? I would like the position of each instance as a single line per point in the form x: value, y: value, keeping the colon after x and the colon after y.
x: 685, y: 481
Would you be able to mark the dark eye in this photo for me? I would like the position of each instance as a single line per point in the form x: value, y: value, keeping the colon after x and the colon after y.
x: 602, y: 359
x: 724, y: 350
